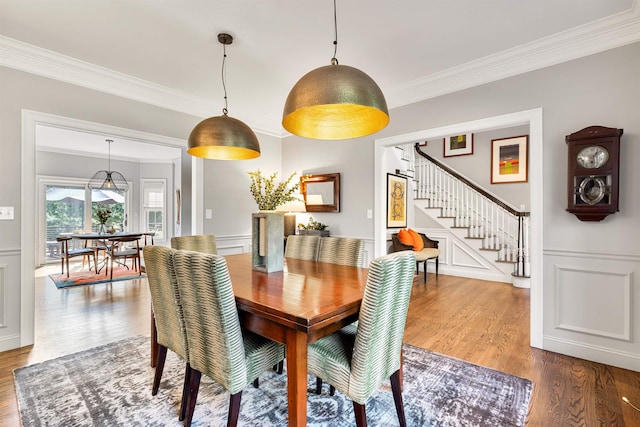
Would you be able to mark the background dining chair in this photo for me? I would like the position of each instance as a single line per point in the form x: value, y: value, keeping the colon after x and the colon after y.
x: 66, y: 253
x: 119, y: 251
x: 302, y: 247
x: 167, y: 312
x: 429, y: 251
x: 341, y: 250
x: 218, y: 347
x: 200, y: 243
x: 358, y: 358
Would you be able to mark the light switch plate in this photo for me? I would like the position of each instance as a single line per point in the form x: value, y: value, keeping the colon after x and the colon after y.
x: 6, y: 212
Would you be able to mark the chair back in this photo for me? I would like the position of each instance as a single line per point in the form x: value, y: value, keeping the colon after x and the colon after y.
x: 302, y: 247
x: 383, y: 313
x: 341, y: 250
x: 214, y: 337
x: 200, y: 243
x: 165, y: 299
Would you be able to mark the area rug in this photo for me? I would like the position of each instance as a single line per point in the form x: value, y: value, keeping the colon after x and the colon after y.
x: 89, y: 277
x: 111, y: 386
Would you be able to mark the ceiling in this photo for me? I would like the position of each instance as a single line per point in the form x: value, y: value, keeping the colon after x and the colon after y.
x: 413, y: 49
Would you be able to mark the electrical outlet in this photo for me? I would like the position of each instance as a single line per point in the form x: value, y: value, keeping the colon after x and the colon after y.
x: 6, y: 212
x: 208, y: 214
x: 369, y: 214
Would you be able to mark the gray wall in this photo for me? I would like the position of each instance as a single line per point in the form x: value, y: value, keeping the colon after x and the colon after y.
x: 477, y: 167
x: 591, y: 270
x: 602, y: 89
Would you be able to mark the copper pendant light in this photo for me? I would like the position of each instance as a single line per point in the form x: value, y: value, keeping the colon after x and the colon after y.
x: 335, y: 102
x: 223, y: 137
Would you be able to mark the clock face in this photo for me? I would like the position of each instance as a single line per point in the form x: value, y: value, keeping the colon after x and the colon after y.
x: 592, y: 157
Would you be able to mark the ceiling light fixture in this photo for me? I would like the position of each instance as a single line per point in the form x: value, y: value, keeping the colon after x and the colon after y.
x: 335, y: 102
x: 108, y: 179
x: 223, y: 137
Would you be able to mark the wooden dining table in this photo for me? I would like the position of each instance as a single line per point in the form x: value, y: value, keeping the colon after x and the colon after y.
x: 297, y: 306
x: 105, y: 239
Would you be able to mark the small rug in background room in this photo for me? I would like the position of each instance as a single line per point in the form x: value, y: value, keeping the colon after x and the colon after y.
x: 111, y: 386
x: 89, y: 277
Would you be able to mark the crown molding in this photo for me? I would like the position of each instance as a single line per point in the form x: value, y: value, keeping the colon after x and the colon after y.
x: 46, y: 63
x: 607, y: 33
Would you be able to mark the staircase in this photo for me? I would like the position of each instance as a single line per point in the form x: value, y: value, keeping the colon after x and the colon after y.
x: 497, y: 231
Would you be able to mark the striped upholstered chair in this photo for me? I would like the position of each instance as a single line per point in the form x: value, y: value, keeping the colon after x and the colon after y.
x: 167, y: 312
x: 341, y: 250
x: 358, y: 358
x: 218, y: 347
x: 200, y: 243
x: 302, y: 247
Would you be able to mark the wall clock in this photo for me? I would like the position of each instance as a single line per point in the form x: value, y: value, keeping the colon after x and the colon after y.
x: 594, y: 164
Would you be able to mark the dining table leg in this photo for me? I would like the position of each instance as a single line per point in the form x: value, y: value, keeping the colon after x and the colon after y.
x: 296, y: 342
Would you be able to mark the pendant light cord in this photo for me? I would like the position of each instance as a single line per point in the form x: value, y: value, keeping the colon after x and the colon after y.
x: 225, y: 110
x: 334, y: 60
x: 109, y: 141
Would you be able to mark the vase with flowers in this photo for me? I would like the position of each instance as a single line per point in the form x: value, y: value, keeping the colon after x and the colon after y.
x: 102, y: 216
x: 269, y: 195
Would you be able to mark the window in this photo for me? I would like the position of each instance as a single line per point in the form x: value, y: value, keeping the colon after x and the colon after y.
x: 154, y: 206
x: 66, y: 205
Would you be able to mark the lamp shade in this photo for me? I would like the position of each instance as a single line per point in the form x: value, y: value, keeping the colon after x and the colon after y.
x: 108, y: 180
x: 335, y: 102
x: 223, y: 138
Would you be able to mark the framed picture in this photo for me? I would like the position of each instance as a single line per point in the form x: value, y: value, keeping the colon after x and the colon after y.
x: 458, y: 145
x: 509, y: 159
x: 396, y: 201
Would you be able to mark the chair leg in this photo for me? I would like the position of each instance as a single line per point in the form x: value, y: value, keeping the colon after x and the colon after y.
x: 361, y: 415
x: 67, y: 258
x: 256, y: 383
x: 278, y: 368
x: 437, y: 267
x: 194, y: 386
x: 95, y: 261
x: 396, y: 388
x: 162, y: 355
x: 318, y: 385
x: 425, y: 270
x: 234, y: 409
x: 185, y: 392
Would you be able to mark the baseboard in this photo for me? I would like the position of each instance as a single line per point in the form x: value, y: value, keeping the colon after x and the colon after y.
x: 10, y: 342
x: 608, y: 356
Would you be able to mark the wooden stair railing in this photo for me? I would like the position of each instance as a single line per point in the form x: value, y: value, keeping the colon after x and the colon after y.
x: 501, y: 227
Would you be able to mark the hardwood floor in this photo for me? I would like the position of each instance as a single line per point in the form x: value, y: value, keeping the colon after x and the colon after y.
x: 486, y: 323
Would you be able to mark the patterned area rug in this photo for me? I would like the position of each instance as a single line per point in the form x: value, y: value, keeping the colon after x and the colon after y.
x: 111, y: 386
x: 86, y: 277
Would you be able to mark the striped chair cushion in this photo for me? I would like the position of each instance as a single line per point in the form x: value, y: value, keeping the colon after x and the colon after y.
x: 341, y: 250
x: 358, y: 358
x: 302, y: 247
x: 218, y: 347
x: 200, y: 243
x: 165, y: 299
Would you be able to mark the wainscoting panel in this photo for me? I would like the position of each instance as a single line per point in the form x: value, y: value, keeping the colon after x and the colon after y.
x: 9, y: 299
x: 581, y: 293
x: 3, y: 297
x: 591, y: 303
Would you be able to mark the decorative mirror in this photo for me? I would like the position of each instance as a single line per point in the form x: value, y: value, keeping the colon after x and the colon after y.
x: 321, y: 192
